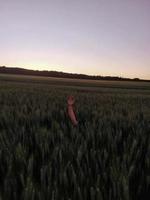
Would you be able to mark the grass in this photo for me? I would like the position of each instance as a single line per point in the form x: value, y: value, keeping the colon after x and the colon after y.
x: 42, y: 156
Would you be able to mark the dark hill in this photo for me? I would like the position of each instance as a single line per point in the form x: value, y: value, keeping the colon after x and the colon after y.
x: 22, y: 71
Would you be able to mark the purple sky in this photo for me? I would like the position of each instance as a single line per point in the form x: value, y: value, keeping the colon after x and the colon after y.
x: 104, y: 37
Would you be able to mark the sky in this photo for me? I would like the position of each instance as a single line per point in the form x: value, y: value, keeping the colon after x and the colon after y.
x: 97, y: 37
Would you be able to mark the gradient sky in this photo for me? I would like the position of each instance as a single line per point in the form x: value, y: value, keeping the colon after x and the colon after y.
x: 103, y: 37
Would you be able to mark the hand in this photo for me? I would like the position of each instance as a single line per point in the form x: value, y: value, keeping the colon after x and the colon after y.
x: 71, y: 100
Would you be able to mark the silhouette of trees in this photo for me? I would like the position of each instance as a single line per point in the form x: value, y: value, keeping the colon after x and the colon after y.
x: 16, y: 70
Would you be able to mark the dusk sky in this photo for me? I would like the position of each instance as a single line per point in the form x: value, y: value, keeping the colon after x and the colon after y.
x: 102, y: 37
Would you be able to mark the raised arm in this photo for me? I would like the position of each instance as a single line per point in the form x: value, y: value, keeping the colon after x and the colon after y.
x: 71, y: 113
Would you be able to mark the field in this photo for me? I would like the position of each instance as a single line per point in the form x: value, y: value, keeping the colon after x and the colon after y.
x: 43, y: 156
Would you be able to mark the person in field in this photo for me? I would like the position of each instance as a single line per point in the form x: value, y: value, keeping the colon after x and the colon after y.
x: 71, y: 113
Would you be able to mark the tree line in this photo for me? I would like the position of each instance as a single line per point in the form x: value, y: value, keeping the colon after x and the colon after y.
x: 59, y: 74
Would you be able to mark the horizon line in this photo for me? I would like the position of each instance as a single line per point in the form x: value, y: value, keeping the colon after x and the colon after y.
x: 75, y: 73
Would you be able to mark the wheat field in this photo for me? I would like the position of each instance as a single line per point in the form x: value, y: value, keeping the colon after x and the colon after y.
x: 43, y: 156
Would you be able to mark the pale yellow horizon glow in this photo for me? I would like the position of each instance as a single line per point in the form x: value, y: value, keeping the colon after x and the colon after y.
x: 77, y: 62
x: 91, y: 70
